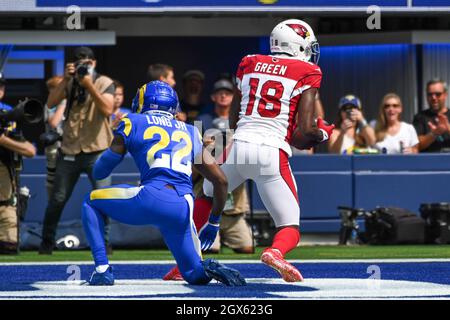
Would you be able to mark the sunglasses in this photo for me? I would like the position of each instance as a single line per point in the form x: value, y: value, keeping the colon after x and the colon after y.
x: 437, y: 94
x: 395, y: 105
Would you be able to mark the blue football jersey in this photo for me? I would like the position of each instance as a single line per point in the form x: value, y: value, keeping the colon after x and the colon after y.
x: 163, y: 149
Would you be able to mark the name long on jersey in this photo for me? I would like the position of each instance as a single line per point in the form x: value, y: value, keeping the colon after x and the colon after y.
x: 163, y: 149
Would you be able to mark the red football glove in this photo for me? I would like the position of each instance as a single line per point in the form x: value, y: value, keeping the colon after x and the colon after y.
x: 327, y: 129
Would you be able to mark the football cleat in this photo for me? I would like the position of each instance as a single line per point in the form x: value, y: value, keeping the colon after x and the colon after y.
x: 102, y: 279
x: 274, y: 259
x: 173, y: 275
x: 225, y: 275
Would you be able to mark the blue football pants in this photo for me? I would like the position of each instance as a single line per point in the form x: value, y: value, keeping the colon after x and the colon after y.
x: 147, y: 205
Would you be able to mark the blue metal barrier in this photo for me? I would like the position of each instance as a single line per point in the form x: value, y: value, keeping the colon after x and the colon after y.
x: 402, y: 181
x: 324, y: 182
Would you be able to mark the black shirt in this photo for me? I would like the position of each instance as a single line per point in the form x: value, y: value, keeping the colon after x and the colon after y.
x: 192, y: 111
x: 442, y: 143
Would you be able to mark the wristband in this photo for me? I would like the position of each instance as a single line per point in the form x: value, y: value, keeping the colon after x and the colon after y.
x: 214, y: 219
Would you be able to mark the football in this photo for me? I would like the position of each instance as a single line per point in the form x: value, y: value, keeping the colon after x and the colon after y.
x: 297, y: 140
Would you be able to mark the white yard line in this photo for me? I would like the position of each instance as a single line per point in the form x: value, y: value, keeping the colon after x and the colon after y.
x: 142, y: 262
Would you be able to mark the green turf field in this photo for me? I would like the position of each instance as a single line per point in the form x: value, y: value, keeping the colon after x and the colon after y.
x: 306, y: 252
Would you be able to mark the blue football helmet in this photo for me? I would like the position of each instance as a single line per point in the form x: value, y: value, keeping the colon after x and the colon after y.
x: 155, y: 97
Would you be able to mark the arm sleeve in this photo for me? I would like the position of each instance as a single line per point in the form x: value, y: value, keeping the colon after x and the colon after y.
x: 106, y: 164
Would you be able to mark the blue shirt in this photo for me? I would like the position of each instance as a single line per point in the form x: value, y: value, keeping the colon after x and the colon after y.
x: 163, y: 149
x: 7, y: 107
x: 4, y: 106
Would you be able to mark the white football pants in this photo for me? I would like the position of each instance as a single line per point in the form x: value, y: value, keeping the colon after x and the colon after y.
x: 269, y: 168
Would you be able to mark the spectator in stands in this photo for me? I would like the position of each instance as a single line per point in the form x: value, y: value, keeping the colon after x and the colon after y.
x: 165, y: 73
x: 432, y: 125
x: 193, y: 81
x: 3, y: 105
x: 393, y: 135
x: 161, y: 72
x: 119, y: 93
x: 352, y: 129
x: 87, y: 133
x: 55, y: 117
x: 11, y: 145
x: 234, y: 231
x: 222, y: 97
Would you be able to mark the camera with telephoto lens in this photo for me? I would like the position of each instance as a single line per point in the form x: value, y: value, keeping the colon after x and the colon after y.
x: 22, y: 202
x: 81, y: 70
x: 50, y: 138
x: 349, y: 224
x: 28, y: 111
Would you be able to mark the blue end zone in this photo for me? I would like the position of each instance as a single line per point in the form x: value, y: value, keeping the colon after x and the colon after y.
x: 21, y: 278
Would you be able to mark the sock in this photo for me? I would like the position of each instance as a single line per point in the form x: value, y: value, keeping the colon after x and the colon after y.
x: 286, y: 239
x: 202, y: 209
x: 102, y: 268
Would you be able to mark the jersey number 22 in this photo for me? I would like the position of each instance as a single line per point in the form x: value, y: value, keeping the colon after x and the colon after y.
x: 170, y: 160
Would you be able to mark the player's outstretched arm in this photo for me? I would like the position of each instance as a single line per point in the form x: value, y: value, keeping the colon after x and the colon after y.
x: 110, y: 158
x: 309, y: 133
x: 207, y: 166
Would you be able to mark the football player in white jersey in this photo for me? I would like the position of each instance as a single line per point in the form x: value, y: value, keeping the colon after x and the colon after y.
x: 273, y: 109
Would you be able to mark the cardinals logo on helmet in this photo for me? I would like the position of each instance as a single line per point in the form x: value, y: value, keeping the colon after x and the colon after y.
x: 300, y: 30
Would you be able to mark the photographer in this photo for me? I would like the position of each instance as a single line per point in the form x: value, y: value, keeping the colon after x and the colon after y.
x: 86, y: 134
x: 11, y: 146
x: 54, y: 121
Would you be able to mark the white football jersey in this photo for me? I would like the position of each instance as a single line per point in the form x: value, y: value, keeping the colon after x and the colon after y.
x: 271, y: 87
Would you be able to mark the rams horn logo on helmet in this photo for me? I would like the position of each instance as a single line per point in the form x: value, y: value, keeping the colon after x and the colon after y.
x: 300, y: 30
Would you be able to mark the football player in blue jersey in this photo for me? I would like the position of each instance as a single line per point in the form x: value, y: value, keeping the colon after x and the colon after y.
x: 164, y: 150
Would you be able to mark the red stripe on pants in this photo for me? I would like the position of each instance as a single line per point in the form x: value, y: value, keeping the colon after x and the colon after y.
x: 286, y: 173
